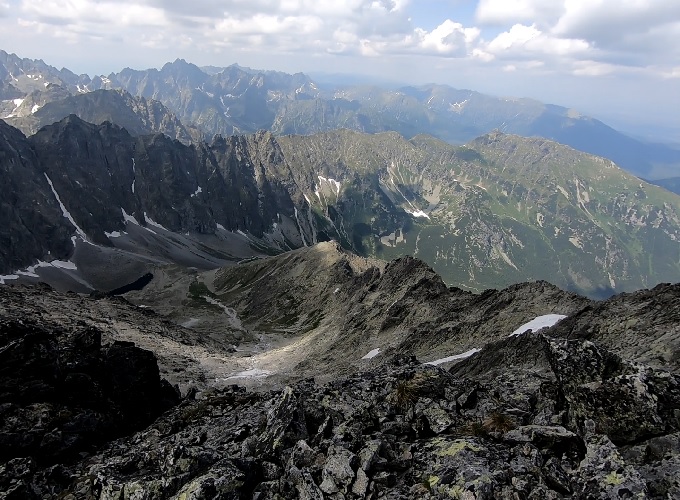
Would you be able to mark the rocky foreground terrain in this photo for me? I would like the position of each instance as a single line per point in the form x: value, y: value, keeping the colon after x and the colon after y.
x: 103, y: 399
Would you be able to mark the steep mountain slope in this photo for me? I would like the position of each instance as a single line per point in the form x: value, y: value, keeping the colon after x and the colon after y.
x: 233, y: 100
x: 473, y: 114
x: 238, y: 100
x: 330, y: 308
x: 501, y: 206
x: 101, y: 186
x: 28, y: 75
x: 241, y: 100
x: 501, y: 210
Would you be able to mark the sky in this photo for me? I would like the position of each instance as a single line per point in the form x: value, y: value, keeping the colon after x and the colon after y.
x: 617, y: 60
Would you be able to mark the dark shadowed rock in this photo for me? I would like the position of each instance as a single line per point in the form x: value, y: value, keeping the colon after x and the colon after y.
x: 63, y: 393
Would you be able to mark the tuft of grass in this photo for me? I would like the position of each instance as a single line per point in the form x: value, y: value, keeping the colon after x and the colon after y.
x: 475, y: 429
x: 499, y: 422
x: 405, y: 394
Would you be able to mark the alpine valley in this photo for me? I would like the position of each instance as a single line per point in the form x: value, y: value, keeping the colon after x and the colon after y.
x: 500, y: 210
x: 230, y: 283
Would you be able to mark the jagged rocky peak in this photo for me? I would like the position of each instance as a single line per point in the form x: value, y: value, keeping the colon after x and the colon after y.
x: 137, y: 115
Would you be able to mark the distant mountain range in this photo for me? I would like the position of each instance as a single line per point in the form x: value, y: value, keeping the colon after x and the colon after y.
x: 501, y: 210
x: 136, y: 114
x: 235, y: 99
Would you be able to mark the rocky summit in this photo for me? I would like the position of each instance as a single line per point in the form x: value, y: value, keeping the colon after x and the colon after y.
x: 562, y: 397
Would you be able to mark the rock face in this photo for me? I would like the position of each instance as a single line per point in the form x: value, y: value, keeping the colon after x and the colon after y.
x: 648, y: 322
x: 478, y: 215
x: 91, y: 182
x: 64, y: 393
x: 517, y: 425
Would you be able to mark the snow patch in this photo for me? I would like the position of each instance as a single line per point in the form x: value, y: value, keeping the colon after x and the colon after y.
x: 563, y: 191
x: 128, y: 218
x: 539, y: 322
x: 64, y: 264
x: 457, y: 107
x: 17, y: 102
x: 463, y: 355
x: 372, y: 353
x: 220, y: 226
x: 198, y: 191
x: 134, y: 176
x: 252, y: 373
x: 115, y: 234
x: 8, y: 277
x: 35, y: 108
x: 30, y: 271
x: 65, y: 212
x: 576, y: 241
x: 417, y: 213
x: 153, y: 223
x: 333, y: 183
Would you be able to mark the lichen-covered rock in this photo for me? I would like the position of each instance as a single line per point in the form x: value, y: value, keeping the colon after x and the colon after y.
x: 627, y: 402
x: 604, y: 474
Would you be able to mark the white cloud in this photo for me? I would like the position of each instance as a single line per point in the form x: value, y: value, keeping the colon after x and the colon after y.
x: 527, y: 41
x: 593, y: 68
x: 504, y: 12
x: 86, y: 12
x: 610, y: 20
x: 672, y: 73
x: 449, y: 39
x: 621, y: 33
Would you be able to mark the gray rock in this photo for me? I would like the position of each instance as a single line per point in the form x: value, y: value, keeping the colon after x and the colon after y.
x: 604, y: 474
x: 339, y: 470
x: 438, y: 419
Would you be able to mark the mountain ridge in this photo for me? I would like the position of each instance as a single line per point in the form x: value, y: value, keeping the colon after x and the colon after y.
x: 502, y: 209
x: 236, y: 100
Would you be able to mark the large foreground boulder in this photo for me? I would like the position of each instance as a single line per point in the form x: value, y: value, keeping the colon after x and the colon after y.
x: 63, y: 394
